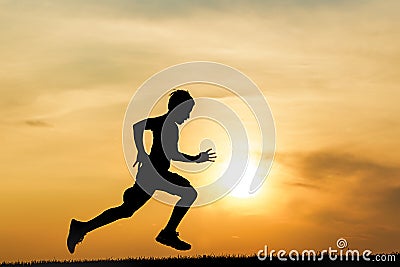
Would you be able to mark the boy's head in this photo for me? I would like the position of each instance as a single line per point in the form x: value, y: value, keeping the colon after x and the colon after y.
x: 181, y: 102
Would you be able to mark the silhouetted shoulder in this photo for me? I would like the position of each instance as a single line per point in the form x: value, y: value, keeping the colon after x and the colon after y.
x: 155, y: 123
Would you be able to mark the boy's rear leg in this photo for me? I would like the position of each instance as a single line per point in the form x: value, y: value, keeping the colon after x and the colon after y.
x: 75, y: 235
x: 134, y: 198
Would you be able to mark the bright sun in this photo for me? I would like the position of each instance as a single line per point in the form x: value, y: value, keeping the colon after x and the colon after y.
x: 242, y: 189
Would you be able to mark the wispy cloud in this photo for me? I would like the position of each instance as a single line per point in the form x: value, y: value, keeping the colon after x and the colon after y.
x: 38, y: 123
x: 351, y: 189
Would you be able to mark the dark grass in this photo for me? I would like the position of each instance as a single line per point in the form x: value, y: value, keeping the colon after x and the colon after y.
x: 205, y: 260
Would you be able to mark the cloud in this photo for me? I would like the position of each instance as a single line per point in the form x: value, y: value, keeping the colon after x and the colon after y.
x: 159, y: 9
x: 330, y: 169
x: 305, y: 185
x: 37, y: 123
x: 325, y: 164
x: 351, y: 188
x: 390, y: 201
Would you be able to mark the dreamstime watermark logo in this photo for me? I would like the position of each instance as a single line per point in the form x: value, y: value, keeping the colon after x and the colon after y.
x: 342, y: 253
x: 341, y: 243
x: 216, y: 111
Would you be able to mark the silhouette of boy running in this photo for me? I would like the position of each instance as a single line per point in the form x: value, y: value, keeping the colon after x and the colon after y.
x: 153, y: 174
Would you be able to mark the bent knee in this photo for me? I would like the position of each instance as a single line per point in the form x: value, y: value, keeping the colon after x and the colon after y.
x: 126, y: 211
x: 190, y: 194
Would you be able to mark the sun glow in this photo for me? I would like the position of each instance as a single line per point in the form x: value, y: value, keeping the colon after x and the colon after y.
x: 242, y: 189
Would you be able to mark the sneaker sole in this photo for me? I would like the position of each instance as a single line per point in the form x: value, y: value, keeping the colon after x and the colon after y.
x: 163, y: 242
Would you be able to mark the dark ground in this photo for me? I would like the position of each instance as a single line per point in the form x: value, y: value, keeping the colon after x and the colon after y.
x: 219, y: 261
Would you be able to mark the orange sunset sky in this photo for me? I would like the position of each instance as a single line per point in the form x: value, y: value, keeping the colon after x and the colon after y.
x: 328, y: 68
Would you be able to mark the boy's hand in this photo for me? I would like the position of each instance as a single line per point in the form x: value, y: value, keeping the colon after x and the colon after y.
x: 206, y: 156
x: 140, y: 159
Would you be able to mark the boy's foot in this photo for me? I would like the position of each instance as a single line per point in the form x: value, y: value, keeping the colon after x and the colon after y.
x: 75, y: 235
x: 170, y: 238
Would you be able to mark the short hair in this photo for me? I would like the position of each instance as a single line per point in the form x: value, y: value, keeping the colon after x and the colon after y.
x: 178, y: 97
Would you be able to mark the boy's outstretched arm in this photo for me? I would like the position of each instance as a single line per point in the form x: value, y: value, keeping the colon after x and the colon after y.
x: 207, y: 155
x: 138, y: 129
x: 199, y: 158
x: 174, y: 154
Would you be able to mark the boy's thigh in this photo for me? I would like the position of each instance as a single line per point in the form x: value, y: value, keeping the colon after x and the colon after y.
x: 136, y: 194
x: 149, y: 180
x: 177, y: 185
x: 176, y: 179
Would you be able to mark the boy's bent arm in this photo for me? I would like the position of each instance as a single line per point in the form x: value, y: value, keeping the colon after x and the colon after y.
x: 179, y: 156
x: 171, y: 149
x: 173, y: 153
x: 201, y: 157
x: 138, y: 129
x: 190, y: 157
